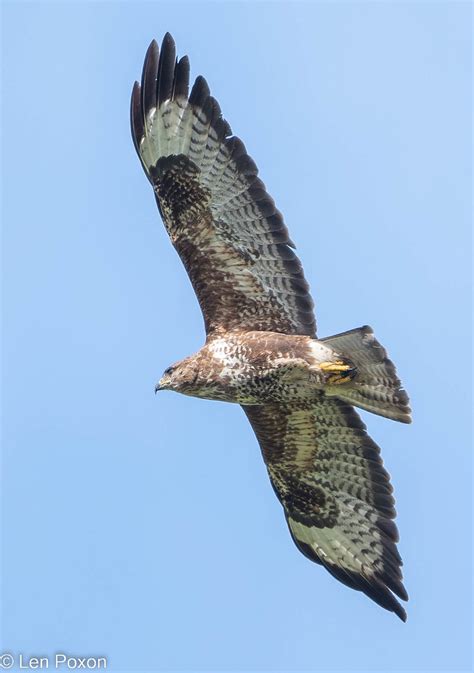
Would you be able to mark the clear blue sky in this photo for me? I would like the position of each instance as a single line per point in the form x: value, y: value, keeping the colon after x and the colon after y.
x: 143, y: 528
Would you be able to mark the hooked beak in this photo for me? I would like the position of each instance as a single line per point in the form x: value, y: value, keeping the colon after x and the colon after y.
x: 159, y: 386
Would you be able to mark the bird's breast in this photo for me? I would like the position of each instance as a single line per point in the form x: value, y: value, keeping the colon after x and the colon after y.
x: 256, y: 369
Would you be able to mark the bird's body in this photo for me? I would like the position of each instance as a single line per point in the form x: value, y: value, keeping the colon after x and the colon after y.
x: 256, y: 367
x: 261, y: 348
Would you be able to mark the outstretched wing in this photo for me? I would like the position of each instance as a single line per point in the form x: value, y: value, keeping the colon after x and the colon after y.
x: 336, y: 494
x: 230, y: 236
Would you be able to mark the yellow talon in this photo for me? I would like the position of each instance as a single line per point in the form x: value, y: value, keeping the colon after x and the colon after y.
x: 339, y: 372
x: 335, y: 380
x: 337, y: 366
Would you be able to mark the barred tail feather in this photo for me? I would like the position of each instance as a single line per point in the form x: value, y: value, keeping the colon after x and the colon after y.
x: 376, y: 386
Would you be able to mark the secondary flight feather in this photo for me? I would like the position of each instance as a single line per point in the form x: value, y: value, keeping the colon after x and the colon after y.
x: 261, y: 349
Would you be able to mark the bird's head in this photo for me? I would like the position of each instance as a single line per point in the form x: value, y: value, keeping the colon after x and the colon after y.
x: 179, y: 377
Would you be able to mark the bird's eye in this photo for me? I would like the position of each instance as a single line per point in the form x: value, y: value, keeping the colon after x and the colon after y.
x: 168, y: 371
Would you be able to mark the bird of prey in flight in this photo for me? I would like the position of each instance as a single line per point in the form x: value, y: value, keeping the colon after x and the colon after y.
x: 261, y: 350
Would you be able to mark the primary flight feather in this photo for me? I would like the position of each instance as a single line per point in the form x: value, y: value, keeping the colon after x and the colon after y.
x: 261, y: 349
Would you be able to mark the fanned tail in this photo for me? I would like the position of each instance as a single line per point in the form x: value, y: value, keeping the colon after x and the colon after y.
x: 376, y: 386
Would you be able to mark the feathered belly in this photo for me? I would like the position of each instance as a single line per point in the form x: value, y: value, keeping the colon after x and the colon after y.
x: 258, y: 368
x: 246, y: 385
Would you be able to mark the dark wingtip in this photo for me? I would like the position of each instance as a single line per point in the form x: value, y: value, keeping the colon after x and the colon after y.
x: 166, y: 69
x: 152, y: 53
x: 181, y: 78
x: 168, y: 39
x: 136, y: 117
x: 199, y: 92
x: 400, y: 612
x: 400, y: 590
x: 149, y: 75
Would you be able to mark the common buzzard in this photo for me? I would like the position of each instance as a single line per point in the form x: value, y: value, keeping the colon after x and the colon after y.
x: 261, y: 349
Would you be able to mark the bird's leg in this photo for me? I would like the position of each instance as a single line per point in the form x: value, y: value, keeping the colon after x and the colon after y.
x: 338, y: 371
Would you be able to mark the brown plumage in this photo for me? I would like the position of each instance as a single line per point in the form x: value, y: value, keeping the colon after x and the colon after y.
x: 261, y: 349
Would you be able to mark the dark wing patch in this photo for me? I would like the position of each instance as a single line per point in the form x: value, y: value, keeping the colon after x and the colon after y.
x: 336, y: 494
x: 230, y: 236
